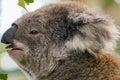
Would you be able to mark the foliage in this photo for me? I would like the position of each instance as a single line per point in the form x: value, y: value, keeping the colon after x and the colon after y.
x: 118, y: 47
x: 23, y: 3
x: 3, y: 49
x: 3, y: 77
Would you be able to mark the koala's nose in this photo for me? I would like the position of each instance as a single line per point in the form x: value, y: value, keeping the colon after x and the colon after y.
x: 9, y: 35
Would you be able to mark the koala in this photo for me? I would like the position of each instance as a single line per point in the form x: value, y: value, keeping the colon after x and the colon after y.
x: 65, y: 41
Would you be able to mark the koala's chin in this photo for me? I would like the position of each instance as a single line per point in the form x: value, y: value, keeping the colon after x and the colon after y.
x: 19, y: 50
x: 65, y: 41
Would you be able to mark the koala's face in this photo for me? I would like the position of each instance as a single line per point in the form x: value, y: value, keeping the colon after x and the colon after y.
x: 41, y: 36
x: 35, y: 36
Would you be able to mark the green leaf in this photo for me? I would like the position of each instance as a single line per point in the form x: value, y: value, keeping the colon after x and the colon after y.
x: 22, y: 4
x: 3, y: 48
x: 28, y: 1
x: 3, y: 77
x: 118, y: 47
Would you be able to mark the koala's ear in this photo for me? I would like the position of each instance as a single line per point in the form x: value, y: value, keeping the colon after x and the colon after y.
x: 82, y: 17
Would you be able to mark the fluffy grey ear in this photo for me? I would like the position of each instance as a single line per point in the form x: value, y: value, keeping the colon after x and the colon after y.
x: 95, y: 32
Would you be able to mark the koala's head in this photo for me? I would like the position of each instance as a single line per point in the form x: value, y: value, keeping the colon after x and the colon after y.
x: 41, y: 37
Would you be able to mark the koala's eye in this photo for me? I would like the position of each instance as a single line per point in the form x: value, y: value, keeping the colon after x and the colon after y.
x: 33, y: 32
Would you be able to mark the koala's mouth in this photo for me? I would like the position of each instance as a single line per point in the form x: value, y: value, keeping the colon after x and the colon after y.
x: 13, y: 48
x: 17, y: 48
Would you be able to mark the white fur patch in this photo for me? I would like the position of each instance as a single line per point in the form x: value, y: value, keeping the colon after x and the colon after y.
x: 76, y: 43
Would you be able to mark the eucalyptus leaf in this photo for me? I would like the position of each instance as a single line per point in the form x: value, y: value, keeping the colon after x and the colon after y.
x: 22, y: 4
x: 28, y: 1
x: 3, y: 77
x: 118, y: 47
x: 3, y: 48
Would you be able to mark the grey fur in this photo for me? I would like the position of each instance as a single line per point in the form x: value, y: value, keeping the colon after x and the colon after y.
x: 73, y: 43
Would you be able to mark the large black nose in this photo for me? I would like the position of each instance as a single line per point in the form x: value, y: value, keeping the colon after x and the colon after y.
x: 9, y: 35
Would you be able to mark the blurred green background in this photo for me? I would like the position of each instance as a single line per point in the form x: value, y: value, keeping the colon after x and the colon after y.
x: 7, y: 66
